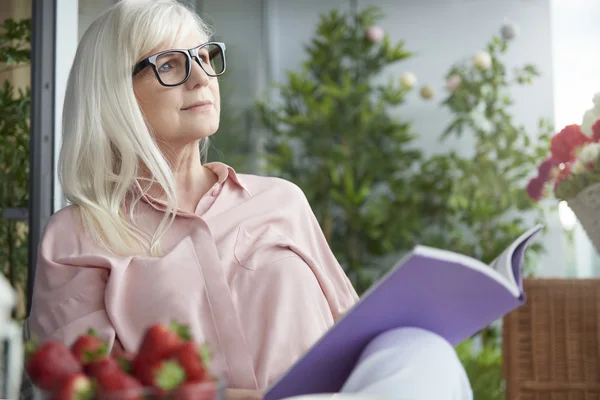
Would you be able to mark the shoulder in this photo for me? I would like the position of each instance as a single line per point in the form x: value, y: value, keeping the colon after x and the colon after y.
x: 63, y: 223
x: 280, y: 201
x: 273, y: 188
x: 64, y: 234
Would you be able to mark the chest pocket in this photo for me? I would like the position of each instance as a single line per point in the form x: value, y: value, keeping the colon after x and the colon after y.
x: 263, y: 248
x: 172, y: 281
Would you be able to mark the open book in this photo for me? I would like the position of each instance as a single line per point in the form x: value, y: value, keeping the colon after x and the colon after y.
x: 447, y: 293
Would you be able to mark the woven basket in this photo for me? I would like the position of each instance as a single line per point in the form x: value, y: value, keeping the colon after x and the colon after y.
x: 551, y: 344
x: 586, y: 206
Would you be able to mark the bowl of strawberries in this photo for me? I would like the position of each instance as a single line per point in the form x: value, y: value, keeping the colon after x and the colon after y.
x: 168, y: 365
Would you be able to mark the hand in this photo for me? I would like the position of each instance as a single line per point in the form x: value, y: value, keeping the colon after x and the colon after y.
x: 243, y: 394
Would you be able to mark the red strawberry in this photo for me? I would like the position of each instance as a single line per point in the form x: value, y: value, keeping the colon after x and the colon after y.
x: 194, y: 360
x: 195, y: 391
x: 162, y: 375
x: 95, y: 367
x: 89, y: 347
x: 50, y: 363
x: 159, y: 341
x: 116, y: 384
x: 74, y: 387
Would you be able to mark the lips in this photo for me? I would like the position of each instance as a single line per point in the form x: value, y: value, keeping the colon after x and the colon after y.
x: 203, y: 103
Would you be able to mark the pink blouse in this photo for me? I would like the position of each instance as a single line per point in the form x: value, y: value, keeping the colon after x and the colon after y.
x: 250, y: 272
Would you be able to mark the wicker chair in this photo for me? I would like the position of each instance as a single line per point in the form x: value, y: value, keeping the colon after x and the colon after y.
x: 551, y: 345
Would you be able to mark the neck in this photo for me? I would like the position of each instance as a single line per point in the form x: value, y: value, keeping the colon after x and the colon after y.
x: 192, y: 180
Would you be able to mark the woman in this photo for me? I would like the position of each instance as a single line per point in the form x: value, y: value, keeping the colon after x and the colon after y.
x: 152, y: 235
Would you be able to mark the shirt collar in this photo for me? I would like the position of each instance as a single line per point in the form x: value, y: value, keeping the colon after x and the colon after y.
x: 222, y: 171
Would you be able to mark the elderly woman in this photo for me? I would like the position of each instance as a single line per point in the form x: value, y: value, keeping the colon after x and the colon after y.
x: 153, y: 235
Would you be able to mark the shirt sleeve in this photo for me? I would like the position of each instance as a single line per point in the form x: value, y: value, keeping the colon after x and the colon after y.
x: 337, y: 287
x: 69, y: 286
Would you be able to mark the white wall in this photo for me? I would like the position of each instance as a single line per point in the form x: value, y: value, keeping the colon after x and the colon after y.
x: 441, y: 32
x: 89, y: 10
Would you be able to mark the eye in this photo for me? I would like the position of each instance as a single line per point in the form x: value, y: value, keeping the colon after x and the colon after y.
x: 203, y: 54
x: 171, y: 63
x: 166, y: 67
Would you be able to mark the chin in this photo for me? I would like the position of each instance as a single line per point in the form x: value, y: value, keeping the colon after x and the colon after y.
x: 202, y: 128
x: 209, y: 129
x: 203, y: 133
x: 209, y: 134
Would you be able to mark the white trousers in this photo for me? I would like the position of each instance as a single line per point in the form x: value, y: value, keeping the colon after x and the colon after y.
x: 409, y: 364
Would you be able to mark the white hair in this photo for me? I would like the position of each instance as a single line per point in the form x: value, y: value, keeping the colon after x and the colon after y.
x: 105, y: 135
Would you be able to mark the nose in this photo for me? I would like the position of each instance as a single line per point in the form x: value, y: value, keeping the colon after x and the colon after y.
x: 197, y: 75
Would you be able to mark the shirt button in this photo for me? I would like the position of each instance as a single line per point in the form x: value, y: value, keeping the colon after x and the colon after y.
x: 215, y: 192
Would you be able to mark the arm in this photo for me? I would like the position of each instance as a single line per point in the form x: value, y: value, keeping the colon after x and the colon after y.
x: 69, y: 285
x: 339, y: 290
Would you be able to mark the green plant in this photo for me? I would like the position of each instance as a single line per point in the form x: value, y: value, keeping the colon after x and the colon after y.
x: 337, y: 133
x: 487, y: 205
x: 15, y: 39
x: 484, y: 368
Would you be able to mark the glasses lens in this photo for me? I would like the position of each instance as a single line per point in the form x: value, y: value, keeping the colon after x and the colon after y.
x: 172, y: 67
x: 213, y: 59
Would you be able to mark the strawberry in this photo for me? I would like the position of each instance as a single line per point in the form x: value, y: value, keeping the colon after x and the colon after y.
x: 74, y: 387
x: 194, y: 360
x: 159, y: 341
x: 50, y: 363
x: 89, y: 347
x: 195, y: 391
x: 161, y: 375
x: 116, y: 384
x: 95, y: 367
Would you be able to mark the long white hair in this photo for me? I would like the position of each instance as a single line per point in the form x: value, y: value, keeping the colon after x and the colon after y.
x: 105, y: 135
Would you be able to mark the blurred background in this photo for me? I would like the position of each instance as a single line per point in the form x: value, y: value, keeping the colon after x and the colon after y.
x: 405, y: 122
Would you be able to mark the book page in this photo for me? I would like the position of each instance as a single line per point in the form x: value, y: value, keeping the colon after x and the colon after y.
x: 499, y: 265
x: 503, y: 264
x: 501, y: 269
x: 469, y: 262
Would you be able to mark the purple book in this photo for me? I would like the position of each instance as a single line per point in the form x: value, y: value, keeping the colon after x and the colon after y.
x: 447, y: 293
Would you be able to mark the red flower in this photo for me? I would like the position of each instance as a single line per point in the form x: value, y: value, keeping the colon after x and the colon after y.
x: 565, y: 142
x: 596, y: 131
x: 545, y: 169
x: 535, y: 188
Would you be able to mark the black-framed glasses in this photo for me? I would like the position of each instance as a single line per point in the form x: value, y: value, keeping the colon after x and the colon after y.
x: 174, y: 67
